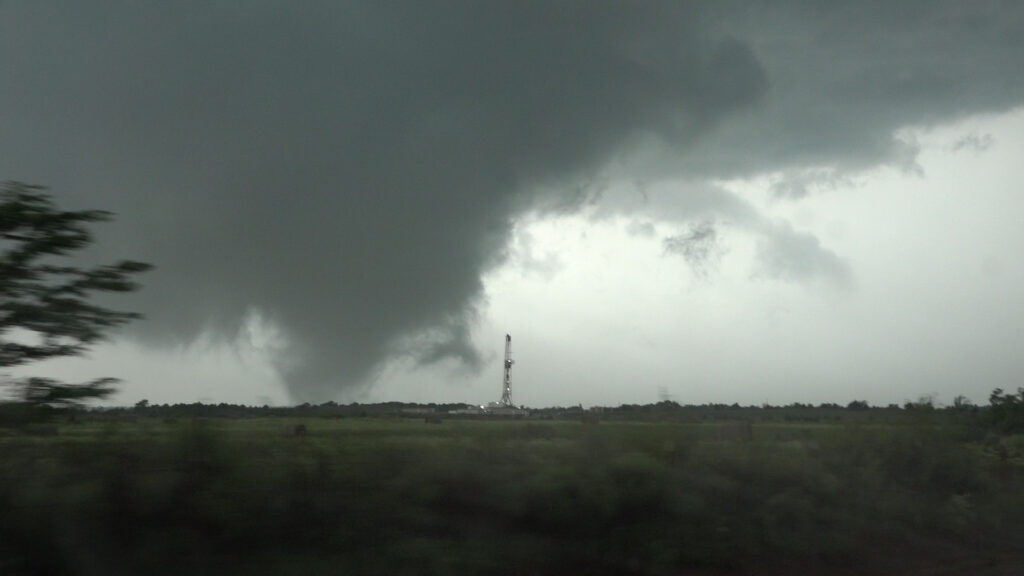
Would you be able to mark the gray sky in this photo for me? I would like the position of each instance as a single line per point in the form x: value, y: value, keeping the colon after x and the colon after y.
x: 713, y: 202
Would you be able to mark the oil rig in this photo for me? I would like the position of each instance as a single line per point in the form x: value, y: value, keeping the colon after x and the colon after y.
x: 505, y: 405
x: 506, y: 389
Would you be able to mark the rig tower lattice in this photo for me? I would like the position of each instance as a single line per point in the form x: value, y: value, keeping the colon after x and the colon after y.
x: 506, y: 392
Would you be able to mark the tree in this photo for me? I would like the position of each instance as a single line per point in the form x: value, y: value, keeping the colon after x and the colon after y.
x: 963, y: 404
x: 1007, y: 410
x: 45, y: 309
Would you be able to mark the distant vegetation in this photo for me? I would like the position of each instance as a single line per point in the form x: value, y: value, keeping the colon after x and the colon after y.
x: 1004, y: 414
x: 385, y: 489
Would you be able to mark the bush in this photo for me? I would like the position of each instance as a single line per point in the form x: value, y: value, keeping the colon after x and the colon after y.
x: 1007, y: 410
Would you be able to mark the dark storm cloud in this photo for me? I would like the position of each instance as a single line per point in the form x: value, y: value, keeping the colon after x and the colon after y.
x: 843, y: 76
x: 348, y: 169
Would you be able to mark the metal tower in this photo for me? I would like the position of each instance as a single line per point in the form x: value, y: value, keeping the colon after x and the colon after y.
x: 506, y: 393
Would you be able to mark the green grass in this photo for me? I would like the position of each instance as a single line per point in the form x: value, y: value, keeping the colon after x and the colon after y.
x: 400, y: 496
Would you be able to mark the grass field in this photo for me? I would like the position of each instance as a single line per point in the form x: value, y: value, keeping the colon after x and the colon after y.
x: 401, y: 496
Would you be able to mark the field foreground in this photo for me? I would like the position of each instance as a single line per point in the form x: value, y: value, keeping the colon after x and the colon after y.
x: 403, y: 496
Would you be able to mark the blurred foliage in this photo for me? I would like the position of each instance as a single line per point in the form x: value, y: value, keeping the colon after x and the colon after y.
x: 1007, y: 410
x: 118, y: 495
x: 45, y: 303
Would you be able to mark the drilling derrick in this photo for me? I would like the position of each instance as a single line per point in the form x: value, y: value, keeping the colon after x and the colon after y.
x: 506, y: 391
